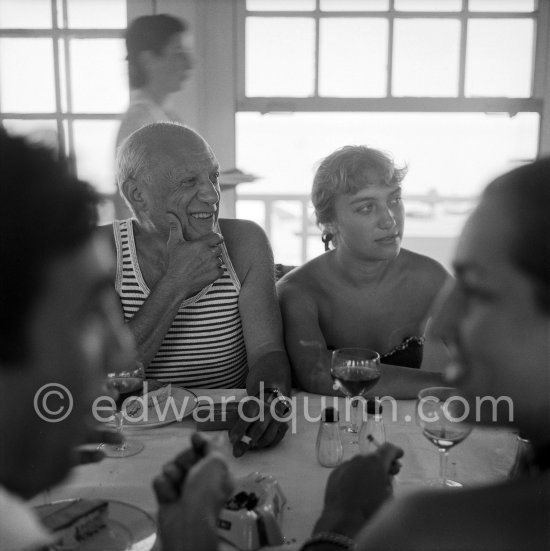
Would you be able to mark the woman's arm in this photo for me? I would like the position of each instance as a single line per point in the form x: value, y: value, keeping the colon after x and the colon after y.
x: 310, y: 359
x: 305, y: 343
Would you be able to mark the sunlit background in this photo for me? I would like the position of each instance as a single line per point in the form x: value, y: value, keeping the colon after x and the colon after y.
x: 454, y: 89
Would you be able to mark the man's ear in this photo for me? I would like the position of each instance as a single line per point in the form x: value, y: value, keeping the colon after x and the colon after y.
x: 131, y: 189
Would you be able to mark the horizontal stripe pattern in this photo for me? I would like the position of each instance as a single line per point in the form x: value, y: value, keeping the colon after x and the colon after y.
x: 204, y: 346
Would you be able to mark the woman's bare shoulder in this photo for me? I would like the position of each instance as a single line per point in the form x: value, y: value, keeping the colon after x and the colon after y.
x: 308, y: 278
x: 426, y: 269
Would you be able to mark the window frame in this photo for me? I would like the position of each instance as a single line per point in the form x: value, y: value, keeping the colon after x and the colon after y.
x: 461, y: 103
x: 64, y: 115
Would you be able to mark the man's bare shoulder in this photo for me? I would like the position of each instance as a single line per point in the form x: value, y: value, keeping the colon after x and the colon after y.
x: 240, y: 235
x: 247, y: 246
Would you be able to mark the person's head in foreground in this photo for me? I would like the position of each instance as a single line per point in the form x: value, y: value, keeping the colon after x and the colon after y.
x: 158, y: 53
x: 357, y: 199
x: 167, y: 168
x: 56, y: 326
x: 496, y: 318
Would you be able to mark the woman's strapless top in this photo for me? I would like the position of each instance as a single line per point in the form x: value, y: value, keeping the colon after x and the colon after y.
x: 406, y: 354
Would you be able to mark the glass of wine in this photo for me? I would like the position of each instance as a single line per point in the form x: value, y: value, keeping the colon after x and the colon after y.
x: 440, y: 413
x: 124, y: 383
x: 355, y: 371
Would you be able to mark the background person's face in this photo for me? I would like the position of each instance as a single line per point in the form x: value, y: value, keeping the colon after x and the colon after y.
x: 499, y: 335
x: 370, y: 222
x: 75, y: 334
x: 173, y: 65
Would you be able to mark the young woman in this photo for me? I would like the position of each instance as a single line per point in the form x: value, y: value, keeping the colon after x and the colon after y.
x: 366, y: 291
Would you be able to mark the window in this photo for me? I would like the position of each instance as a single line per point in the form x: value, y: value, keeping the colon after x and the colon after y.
x: 63, y: 79
x: 454, y: 89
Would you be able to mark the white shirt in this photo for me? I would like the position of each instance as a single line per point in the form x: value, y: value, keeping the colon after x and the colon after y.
x: 20, y: 529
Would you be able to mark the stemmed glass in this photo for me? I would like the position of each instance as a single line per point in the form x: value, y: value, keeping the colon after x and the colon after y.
x: 124, y: 383
x: 355, y: 371
x: 440, y: 413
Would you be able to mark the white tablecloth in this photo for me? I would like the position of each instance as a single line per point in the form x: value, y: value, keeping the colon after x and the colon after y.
x: 486, y: 455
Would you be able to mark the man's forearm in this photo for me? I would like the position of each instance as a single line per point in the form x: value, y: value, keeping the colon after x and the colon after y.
x: 273, y: 370
x: 151, y: 322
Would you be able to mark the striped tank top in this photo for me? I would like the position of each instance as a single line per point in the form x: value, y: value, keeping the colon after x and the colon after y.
x: 204, y: 346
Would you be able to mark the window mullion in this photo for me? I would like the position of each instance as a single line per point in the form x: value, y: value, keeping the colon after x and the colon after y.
x: 391, y: 20
x: 463, y: 48
x: 542, y: 50
x: 240, y: 52
x: 68, y: 91
x: 57, y: 82
x: 317, y: 50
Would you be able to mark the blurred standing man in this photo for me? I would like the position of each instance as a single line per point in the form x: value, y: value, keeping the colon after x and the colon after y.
x: 198, y: 293
x: 159, y: 62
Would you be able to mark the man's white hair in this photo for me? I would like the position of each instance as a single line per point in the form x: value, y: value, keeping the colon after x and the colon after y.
x: 143, y: 151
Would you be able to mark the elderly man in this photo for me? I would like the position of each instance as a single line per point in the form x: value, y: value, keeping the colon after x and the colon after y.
x: 60, y: 333
x: 197, y: 292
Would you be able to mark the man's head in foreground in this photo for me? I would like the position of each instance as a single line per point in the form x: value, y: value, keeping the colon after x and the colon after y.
x: 57, y: 334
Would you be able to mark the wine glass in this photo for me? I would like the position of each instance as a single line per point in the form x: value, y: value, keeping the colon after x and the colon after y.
x: 440, y: 413
x: 355, y: 371
x: 124, y: 383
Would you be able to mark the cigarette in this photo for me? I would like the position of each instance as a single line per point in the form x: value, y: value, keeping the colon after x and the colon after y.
x: 376, y: 444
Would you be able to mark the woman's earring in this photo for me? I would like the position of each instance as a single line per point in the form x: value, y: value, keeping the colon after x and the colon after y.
x: 326, y: 238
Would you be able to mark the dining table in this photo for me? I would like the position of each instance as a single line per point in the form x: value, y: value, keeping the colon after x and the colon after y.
x: 485, y: 456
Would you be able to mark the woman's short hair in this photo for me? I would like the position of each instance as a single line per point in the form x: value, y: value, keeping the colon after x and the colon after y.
x: 149, y: 33
x: 526, y: 197
x: 346, y: 172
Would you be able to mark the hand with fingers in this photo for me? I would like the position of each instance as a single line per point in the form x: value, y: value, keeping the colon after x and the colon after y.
x: 356, y: 490
x: 191, y: 265
x: 191, y: 490
x: 259, y: 426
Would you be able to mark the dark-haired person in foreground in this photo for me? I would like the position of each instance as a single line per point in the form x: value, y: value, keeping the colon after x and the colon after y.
x: 496, y: 317
x: 59, y: 324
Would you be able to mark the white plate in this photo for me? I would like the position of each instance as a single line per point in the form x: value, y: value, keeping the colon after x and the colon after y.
x: 178, y: 405
x: 128, y: 528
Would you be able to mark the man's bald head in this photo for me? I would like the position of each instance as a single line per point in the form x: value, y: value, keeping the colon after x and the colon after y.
x: 153, y: 147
